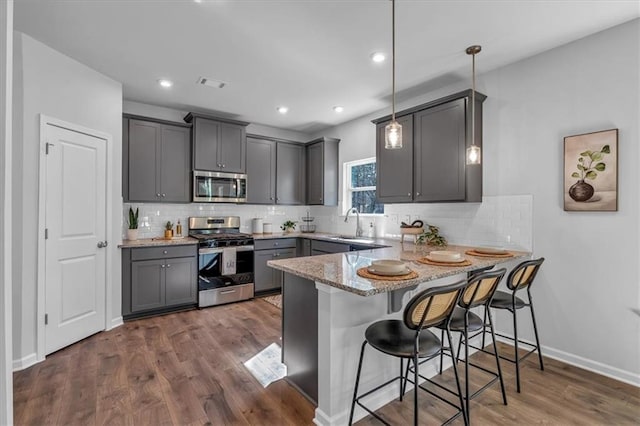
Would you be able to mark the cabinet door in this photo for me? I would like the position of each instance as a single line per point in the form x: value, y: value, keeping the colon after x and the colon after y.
x: 261, y: 171
x: 439, y: 153
x: 232, y: 149
x: 278, y: 276
x: 147, y: 285
x: 264, y: 277
x: 180, y: 280
x: 175, y: 164
x: 315, y: 174
x: 144, y: 157
x: 206, y: 136
x: 394, y: 167
x: 290, y: 174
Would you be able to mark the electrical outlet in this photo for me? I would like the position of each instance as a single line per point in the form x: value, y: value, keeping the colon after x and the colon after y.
x: 393, y: 218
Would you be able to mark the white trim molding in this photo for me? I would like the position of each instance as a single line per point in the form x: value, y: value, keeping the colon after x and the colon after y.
x: 115, y: 323
x: 25, y: 362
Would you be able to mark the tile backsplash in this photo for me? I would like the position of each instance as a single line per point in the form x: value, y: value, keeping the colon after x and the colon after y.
x: 504, y: 221
x: 153, y: 216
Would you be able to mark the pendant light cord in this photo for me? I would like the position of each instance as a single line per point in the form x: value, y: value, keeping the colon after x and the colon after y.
x: 473, y: 100
x: 393, y: 60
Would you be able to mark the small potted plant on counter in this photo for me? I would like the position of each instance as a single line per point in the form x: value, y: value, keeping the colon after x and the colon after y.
x: 288, y: 226
x: 168, y: 230
x: 132, y: 232
x: 432, y: 237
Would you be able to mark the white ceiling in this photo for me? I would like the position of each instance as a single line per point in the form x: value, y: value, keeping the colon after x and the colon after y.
x: 306, y: 54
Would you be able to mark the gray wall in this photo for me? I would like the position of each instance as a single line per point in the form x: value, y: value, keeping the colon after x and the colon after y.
x: 48, y: 82
x: 6, y: 50
x: 590, y: 281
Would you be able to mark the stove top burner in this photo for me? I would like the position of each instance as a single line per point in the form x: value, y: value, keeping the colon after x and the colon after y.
x: 222, y: 239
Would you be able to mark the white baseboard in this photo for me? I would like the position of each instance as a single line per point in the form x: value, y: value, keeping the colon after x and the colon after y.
x: 115, y: 322
x: 25, y: 362
x: 586, y: 364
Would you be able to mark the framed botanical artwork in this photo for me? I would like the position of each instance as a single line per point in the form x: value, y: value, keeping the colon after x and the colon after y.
x: 591, y: 171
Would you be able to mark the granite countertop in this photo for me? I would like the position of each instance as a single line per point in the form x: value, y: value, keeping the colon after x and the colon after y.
x: 339, y: 270
x: 153, y: 242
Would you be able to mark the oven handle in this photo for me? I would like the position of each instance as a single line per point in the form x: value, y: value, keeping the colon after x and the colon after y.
x: 244, y: 248
x: 209, y: 250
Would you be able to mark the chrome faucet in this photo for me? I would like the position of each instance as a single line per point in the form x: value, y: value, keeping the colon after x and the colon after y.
x: 358, y: 228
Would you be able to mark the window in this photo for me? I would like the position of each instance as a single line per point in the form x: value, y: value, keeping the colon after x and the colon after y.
x: 360, y: 186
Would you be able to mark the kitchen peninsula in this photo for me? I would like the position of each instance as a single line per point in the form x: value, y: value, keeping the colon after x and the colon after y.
x: 327, y: 306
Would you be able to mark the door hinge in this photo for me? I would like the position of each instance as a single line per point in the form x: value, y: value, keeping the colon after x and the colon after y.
x: 46, y: 319
x: 46, y: 233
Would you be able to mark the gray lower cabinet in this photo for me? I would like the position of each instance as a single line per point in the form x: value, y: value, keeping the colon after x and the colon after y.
x: 322, y: 172
x: 266, y: 278
x: 431, y: 165
x: 290, y: 174
x: 328, y: 247
x: 261, y: 171
x: 156, y: 161
x: 157, y: 279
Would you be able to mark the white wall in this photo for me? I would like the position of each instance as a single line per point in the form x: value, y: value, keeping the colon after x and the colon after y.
x: 48, y: 82
x: 6, y: 60
x: 589, y: 285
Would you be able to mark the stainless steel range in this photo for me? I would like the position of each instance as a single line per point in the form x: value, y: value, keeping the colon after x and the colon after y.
x: 225, y: 260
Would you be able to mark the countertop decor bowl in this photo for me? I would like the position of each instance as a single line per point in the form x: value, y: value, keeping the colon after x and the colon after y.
x: 388, y: 265
x: 445, y: 256
x: 490, y: 250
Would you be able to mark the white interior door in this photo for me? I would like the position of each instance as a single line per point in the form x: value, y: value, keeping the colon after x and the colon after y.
x: 75, y: 265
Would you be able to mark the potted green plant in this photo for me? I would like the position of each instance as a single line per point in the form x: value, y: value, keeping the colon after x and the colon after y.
x: 132, y: 232
x: 432, y: 237
x: 581, y: 190
x: 288, y: 226
x: 168, y: 230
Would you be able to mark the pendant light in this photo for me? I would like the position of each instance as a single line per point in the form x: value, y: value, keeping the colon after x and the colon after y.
x: 474, y: 155
x: 393, y: 130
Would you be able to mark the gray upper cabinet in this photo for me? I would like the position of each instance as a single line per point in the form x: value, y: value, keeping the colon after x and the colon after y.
x: 439, y: 151
x: 394, y: 167
x: 261, y: 171
x: 156, y: 161
x: 290, y: 174
x: 219, y: 145
x: 430, y: 167
x: 322, y: 172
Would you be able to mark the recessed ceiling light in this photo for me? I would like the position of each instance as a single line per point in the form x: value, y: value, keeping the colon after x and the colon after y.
x: 282, y: 109
x: 338, y: 108
x: 198, y: 1
x: 378, y: 57
x: 165, y: 83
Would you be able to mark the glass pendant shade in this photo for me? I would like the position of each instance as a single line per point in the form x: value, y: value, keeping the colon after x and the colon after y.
x: 393, y: 135
x: 474, y: 155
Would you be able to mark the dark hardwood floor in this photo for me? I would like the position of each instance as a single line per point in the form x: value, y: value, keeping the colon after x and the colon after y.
x: 187, y: 369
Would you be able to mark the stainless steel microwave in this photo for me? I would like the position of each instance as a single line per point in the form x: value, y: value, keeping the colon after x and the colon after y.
x: 216, y: 187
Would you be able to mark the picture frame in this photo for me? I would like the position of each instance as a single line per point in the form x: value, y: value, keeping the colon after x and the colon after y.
x: 591, y: 171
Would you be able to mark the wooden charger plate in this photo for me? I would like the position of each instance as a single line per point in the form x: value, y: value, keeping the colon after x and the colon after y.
x: 364, y: 273
x: 426, y: 261
x: 478, y: 254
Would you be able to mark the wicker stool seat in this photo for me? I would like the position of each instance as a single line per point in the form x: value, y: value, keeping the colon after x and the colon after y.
x: 393, y: 338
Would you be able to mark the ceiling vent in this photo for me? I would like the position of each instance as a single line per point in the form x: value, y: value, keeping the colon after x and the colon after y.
x: 211, y: 82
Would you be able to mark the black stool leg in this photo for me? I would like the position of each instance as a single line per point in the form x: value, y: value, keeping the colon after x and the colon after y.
x: 442, y: 352
x: 455, y: 373
x: 515, y: 341
x: 466, y: 364
x: 486, y: 308
x: 402, y: 378
x: 355, y: 391
x: 535, y: 331
x: 495, y: 352
x: 415, y: 388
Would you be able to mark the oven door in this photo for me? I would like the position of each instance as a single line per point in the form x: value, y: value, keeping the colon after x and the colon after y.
x: 219, y: 187
x: 222, y: 267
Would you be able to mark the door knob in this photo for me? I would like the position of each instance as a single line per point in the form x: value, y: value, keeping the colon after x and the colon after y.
x: 102, y: 244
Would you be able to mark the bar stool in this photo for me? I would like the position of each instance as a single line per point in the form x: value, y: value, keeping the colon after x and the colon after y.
x: 520, y: 278
x: 409, y: 339
x: 479, y: 291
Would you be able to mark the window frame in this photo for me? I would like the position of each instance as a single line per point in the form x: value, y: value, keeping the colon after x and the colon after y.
x: 348, y: 189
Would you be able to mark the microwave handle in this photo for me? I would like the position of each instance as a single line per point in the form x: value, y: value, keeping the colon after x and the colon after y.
x: 238, y: 186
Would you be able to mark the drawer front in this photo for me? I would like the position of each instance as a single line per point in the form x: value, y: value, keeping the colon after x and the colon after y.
x: 328, y: 247
x: 220, y: 296
x: 275, y: 243
x: 163, y: 252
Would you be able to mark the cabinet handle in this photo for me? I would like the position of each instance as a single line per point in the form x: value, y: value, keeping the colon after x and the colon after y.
x: 271, y: 198
x: 158, y: 194
x: 409, y: 194
x: 164, y: 252
x: 162, y: 266
x: 277, y: 199
x: 227, y: 292
x: 224, y: 165
x: 168, y: 265
x: 275, y: 244
x: 417, y: 194
x: 276, y: 254
x: 164, y: 195
x: 219, y: 165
